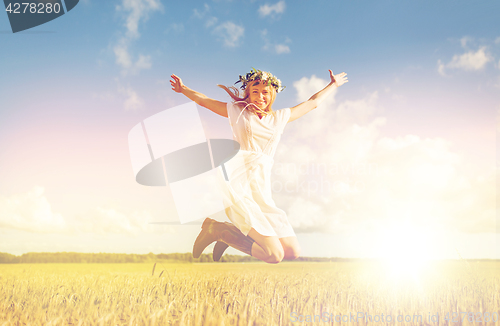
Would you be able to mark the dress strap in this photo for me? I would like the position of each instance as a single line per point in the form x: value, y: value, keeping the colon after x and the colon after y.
x: 248, y: 104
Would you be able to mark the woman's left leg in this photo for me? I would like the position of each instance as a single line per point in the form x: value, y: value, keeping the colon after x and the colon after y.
x: 291, y: 247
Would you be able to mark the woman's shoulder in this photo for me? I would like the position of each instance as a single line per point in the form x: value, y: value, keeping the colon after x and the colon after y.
x: 236, y: 105
x: 282, y: 112
x: 234, y: 109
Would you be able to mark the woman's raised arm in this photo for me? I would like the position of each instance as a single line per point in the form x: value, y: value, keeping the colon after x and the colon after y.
x: 213, y: 105
x: 312, y: 103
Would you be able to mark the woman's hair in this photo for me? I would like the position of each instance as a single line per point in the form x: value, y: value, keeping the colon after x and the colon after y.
x: 236, y: 96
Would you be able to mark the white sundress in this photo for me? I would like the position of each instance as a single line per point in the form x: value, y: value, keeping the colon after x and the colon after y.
x: 247, y: 192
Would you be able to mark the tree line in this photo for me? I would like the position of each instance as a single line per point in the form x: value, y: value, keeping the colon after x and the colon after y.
x: 78, y: 257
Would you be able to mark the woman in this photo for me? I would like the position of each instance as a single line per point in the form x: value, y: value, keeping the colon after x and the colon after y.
x: 259, y: 228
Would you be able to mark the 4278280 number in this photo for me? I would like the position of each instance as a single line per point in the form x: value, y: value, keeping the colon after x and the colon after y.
x: 477, y: 317
x: 33, y: 8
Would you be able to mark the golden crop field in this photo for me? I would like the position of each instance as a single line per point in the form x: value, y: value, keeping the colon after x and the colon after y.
x: 290, y: 293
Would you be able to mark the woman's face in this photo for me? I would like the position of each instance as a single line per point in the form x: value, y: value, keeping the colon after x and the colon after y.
x: 260, y: 95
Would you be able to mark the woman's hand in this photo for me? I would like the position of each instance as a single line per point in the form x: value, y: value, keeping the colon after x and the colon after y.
x: 313, y: 102
x: 338, y: 80
x: 176, y: 83
x: 213, y: 105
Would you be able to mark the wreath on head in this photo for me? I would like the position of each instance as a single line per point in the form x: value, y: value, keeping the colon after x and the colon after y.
x: 263, y: 76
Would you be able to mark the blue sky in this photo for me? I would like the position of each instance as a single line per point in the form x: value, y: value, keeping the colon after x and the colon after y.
x: 420, y: 105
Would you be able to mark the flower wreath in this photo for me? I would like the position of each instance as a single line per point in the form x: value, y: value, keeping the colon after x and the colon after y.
x: 255, y: 74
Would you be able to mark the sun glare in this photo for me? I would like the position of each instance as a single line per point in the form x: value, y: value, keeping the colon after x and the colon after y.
x: 405, y: 250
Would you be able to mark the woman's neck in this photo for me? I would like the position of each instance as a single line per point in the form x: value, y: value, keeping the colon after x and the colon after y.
x: 256, y: 110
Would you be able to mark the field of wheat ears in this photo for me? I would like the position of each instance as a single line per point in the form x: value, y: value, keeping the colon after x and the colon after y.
x: 290, y: 293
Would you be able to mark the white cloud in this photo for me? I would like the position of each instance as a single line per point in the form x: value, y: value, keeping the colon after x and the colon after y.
x: 124, y: 60
x: 30, y: 212
x: 441, y: 68
x: 282, y: 48
x: 278, y: 48
x: 497, y: 41
x: 122, y: 56
x: 306, y: 87
x: 277, y: 8
x: 211, y: 22
x: 133, y: 101
x: 176, y: 28
x: 204, y: 15
x: 229, y: 33
x: 274, y: 47
x: 469, y: 61
x: 318, y: 216
x: 464, y: 40
x: 103, y: 221
x: 108, y: 220
x: 137, y: 10
x: 201, y: 14
x: 144, y: 62
x: 339, y: 174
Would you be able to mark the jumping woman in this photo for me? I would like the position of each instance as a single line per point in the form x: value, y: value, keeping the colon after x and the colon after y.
x: 258, y: 228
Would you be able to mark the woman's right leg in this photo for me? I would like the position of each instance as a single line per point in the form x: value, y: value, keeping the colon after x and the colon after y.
x: 266, y: 248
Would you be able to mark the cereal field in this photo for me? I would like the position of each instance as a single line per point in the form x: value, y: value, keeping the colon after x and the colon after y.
x: 290, y: 293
